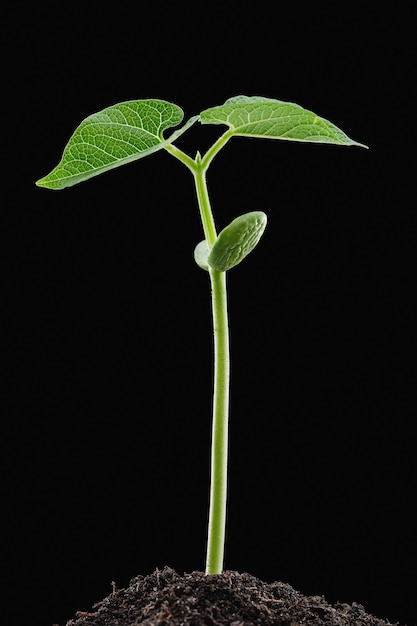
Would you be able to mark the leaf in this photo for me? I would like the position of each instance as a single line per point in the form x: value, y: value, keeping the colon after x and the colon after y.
x: 274, y: 119
x: 201, y: 254
x: 115, y: 136
x: 237, y: 240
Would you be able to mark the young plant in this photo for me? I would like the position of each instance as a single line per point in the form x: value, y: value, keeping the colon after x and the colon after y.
x: 131, y: 130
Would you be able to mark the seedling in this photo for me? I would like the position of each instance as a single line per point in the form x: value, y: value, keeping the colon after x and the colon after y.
x: 132, y: 130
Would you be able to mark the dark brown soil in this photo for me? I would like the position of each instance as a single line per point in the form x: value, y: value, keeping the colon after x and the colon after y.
x: 166, y: 598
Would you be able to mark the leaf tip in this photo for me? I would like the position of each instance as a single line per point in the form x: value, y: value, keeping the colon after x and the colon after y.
x: 357, y: 144
x: 44, y: 183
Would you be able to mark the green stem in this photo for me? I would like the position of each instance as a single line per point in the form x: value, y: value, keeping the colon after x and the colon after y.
x: 220, y: 424
x: 204, y: 204
x: 219, y: 444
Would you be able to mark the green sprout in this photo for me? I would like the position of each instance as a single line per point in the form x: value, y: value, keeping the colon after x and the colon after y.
x: 131, y: 130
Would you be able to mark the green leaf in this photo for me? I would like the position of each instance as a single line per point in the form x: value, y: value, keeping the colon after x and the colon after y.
x: 274, y: 119
x: 115, y: 136
x: 237, y: 240
x: 201, y: 254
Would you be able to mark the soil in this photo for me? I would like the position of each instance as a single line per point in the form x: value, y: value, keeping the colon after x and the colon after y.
x: 166, y: 598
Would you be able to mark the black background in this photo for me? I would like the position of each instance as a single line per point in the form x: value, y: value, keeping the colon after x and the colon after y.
x: 107, y: 331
